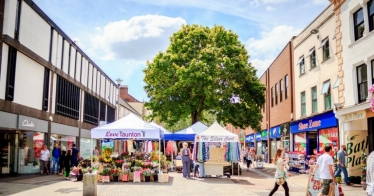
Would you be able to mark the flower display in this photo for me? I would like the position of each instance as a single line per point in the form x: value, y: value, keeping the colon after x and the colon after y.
x: 118, y: 163
x: 363, y: 166
x: 106, y: 156
x: 371, y: 91
x: 126, y: 165
x: 147, y: 165
x: 147, y: 172
x: 115, y: 172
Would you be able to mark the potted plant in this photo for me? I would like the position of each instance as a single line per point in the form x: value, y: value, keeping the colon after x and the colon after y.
x: 118, y: 163
x: 147, y: 175
x: 106, y: 173
x: 115, y: 174
x: 137, y: 172
x: 363, y: 167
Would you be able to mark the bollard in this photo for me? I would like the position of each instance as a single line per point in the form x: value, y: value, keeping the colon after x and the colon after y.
x: 90, y: 184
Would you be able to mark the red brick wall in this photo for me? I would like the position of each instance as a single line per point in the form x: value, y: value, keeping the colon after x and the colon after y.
x: 124, y: 94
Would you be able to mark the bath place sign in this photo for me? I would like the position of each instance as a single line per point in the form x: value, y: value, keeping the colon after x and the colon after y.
x: 317, y: 122
x: 203, y: 138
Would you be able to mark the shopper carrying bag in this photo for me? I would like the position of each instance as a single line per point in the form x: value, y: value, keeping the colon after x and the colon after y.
x: 281, y: 173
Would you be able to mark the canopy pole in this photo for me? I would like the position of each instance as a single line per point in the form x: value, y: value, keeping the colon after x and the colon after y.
x: 91, y: 153
x: 159, y: 157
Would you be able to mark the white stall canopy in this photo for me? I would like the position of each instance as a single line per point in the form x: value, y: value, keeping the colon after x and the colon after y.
x: 216, y: 133
x: 130, y: 127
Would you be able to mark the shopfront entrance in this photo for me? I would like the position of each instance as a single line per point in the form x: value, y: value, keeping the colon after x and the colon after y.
x: 7, y: 152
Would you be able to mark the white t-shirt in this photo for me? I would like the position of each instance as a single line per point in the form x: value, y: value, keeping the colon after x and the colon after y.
x: 323, y: 163
x: 44, y: 155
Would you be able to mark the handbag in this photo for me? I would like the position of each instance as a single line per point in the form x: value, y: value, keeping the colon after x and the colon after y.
x: 279, y: 179
x: 332, y: 190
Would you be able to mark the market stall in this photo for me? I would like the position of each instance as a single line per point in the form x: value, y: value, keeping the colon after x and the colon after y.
x: 187, y: 134
x: 216, y: 148
x: 130, y: 127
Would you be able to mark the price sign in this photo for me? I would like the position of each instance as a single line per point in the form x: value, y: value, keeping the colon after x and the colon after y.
x: 314, y: 186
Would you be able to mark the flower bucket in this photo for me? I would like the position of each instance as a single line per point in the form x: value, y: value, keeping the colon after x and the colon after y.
x: 147, y: 178
x: 137, y: 176
x: 131, y: 177
x: 99, y: 178
x: 120, y: 177
x: 115, y: 178
x: 125, y: 178
x: 155, y: 178
x: 105, y: 179
x: 111, y: 177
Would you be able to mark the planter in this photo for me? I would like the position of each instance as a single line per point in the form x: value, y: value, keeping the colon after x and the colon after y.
x: 338, y: 179
x: 111, y: 177
x: 364, y: 185
x: 125, y: 178
x: 147, y: 178
x: 131, y: 177
x: 155, y: 178
x: 115, y: 178
x: 105, y: 178
x: 99, y: 178
x: 137, y: 176
x: 120, y: 177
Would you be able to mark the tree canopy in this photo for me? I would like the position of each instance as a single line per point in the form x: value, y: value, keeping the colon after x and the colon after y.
x: 203, y: 69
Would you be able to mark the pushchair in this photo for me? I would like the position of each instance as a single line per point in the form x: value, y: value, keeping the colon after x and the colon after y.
x: 259, y: 161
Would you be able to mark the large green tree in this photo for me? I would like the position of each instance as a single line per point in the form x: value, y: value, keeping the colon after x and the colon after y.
x: 202, y: 70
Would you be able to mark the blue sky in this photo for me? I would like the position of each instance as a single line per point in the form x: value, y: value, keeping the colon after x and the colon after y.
x: 121, y: 35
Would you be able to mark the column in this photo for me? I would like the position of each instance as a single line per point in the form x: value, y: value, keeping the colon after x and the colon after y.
x: 366, y: 17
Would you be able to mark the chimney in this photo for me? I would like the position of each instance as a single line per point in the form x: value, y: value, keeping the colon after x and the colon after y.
x: 124, y: 92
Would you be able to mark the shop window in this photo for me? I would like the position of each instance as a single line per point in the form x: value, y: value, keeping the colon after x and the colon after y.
x: 31, y: 144
x: 326, y: 91
x: 18, y: 19
x: 362, y: 84
x: 91, y: 109
x: 328, y: 137
x: 301, y: 62
x: 371, y: 14
x: 111, y: 114
x: 62, y: 141
x: 85, y: 147
x: 272, y: 97
x: 280, y: 90
x: 46, y: 89
x: 303, y: 104
x: 359, y: 26
x: 314, y: 100
x: 300, y: 143
x: 102, y: 111
x: 325, y: 49
x: 276, y: 94
x: 67, y: 98
x: 11, y: 74
x: 312, y: 57
x: 286, y: 87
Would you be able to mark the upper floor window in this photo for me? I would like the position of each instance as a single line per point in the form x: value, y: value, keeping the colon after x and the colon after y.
x: 302, y: 65
x: 327, y: 94
x: 303, y: 104
x: 362, y: 83
x: 286, y: 87
x: 314, y: 100
x: 359, y: 26
x: 280, y: 90
x: 325, y: 49
x: 371, y: 14
x: 312, y: 57
x: 272, y: 97
x: 276, y: 94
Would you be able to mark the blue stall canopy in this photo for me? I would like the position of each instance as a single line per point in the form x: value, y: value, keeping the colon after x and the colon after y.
x: 275, y: 132
x: 189, y: 133
x: 250, y: 138
x: 321, y: 121
x: 165, y: 131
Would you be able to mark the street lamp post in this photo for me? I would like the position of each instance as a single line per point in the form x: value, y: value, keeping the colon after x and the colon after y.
x: 119, y: 81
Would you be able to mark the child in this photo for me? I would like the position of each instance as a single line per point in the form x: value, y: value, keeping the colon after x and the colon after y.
x: 196, y: 168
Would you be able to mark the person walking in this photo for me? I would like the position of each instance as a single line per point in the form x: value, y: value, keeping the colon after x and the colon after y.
x: 67, y: 164
x: 342, y: 153
x: 62, y: 160
x: 56, y: 153
x: 74, y: 156
x: 325, y: 163
x: 44, y: 159
x: 370, y: 174
x: 244, y: 154
x: 281, y: 173
x: 95, y: 152
x: 248, y: 158
x: 186, y: 160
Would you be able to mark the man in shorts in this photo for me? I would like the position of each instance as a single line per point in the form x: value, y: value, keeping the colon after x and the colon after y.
x: 326, y: 175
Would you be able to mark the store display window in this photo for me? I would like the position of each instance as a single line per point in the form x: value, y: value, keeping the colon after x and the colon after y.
x: 31, y: 145
x: 328, y: 137
x: 62, y: 140
x: 300, y: 143
x: 85, y: 147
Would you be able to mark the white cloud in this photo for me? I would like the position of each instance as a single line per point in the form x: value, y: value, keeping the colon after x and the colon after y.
x: 139, y: 38
x: 264, y: 50
x: 254, y: 3
x: 268, y: 8
x: 79, y: 43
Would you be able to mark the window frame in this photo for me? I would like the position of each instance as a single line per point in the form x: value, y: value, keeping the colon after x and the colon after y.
x: 302, y: 64
x: 45, y: 89
x: 276, y: 94
x: 11, y: 74
x: 326, y: 49
x: 91, y: 109
x: 67, y: 98
x: 312, y: 58
x: 371, y: 15
x: 327, y: 95
x: 356, y: 25
x: 280, y: 90
x: 286, y: 86
x: 314, y: 99
x: 360, y: 99
x: 272, y: 96
x: 303, y: 104
x: 18, y: 19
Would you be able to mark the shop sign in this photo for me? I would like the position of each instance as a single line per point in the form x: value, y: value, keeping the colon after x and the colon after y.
x: 356, y: 141
x: 318, y: 122
x: 314, y: 186
x: 216, y: 138
x: 275, y: 132
x: 26, y: 123
x: 112, y: 134
x: 250, y: 138
x: 262, y: 135
x: 354, y: 116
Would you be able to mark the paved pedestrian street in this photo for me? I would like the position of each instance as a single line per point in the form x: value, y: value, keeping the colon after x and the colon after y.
x: 253, y: 182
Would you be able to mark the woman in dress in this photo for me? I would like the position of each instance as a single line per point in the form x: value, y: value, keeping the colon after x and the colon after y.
x: 186, y: 160
x: 281, y: 173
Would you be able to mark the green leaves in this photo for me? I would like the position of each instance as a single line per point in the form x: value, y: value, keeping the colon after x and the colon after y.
x: 200, y: 71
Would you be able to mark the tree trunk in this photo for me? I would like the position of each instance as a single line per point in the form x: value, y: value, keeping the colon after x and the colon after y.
x: 195, y: 117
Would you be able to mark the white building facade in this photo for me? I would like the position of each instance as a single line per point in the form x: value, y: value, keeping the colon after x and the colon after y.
x: 50, y: 90
x: 355, y: 36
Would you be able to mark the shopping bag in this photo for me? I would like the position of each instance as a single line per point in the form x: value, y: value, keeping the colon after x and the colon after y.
x: 336, y: 190
x: 340, y: 191
x: 331, y: 190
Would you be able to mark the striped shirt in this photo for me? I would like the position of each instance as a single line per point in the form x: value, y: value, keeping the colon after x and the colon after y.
x: 370, y: 174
